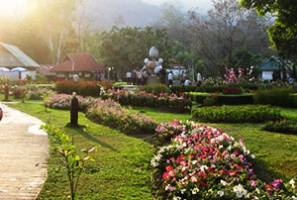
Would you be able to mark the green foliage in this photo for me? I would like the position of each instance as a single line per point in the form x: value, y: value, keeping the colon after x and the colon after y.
x: 283, y: 32
x: 276, y: 97
x: 125, y: 48
x: 236, y: 114
x: 73, y: 161
x: 155, y: 88
x: 284, y: 126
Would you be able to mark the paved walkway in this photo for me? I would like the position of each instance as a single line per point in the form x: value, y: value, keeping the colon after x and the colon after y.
x: 23, y: 156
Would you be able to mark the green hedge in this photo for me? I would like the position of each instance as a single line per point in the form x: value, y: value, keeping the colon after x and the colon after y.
x: 283, y: 126
x: 222, y: 99
x: 277, y: 97
x: 236, y: 114
x: 214, y: 88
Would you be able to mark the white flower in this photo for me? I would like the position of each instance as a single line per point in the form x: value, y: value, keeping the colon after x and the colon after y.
x: 182, y: 191
x: 224, y: 183
x: 177, y: 198
x: 292, y: 183
x: 203, y: 168
x: 221, y: 193
x: 239, y: 191
x: 294, y: 198
x: 195, y: 191
x: 221, y: 138
x: 253, y: 156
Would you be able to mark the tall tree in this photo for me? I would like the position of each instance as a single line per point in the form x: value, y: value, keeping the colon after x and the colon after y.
x: 283, y: 32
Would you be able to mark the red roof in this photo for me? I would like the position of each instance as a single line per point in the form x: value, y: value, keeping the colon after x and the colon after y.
x: 78, y: 62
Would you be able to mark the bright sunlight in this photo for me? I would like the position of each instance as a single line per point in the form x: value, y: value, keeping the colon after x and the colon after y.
x: 12, y: 7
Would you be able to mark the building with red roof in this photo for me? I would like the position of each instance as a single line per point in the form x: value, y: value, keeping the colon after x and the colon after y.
x: 82, y: 64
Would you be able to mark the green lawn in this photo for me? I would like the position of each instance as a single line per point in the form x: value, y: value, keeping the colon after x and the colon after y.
x: 121, y: 170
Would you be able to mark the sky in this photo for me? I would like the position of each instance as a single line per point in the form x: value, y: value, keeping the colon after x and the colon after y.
x: 203, y: 5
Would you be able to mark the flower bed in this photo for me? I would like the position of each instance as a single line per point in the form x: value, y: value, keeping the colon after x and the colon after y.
x: 236, y: 114
x: 205, y: 163
x: 284, y: 126
x: 111, y: 114
x: 165, y: 101
x: 63, y: 101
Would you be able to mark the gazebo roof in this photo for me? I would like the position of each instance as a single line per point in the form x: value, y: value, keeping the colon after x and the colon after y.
x: 271, y: 64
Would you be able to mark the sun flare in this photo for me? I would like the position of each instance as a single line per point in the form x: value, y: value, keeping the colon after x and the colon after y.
x: 12, y: 7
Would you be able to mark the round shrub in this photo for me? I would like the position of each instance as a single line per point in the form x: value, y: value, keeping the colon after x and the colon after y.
x: 202, y: 162
x: 236, y: 114
x: 276, y: 97
x: 283, y: 126
x: 155, y: 88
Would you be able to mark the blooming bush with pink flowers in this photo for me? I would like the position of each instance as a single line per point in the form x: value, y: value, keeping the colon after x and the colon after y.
x: 167, y: 101
x: 111, y: 114
x: 63, y: 101
x: 202, y: 162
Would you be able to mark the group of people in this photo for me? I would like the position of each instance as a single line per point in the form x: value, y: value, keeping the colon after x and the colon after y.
x: 184, y: 80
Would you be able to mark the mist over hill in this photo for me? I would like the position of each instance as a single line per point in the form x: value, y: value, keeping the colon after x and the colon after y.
x: 103, y: 14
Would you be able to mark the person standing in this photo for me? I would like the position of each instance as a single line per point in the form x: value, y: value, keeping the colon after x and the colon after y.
x: 170, y: 78
x: 129, y: 77
x: 199, y: 78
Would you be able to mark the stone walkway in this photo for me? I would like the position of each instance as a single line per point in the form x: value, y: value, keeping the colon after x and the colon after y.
x: 23, y: 156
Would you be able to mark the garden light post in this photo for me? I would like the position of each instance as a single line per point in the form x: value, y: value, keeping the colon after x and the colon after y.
x: 74, y: 111
x: 108, y: 73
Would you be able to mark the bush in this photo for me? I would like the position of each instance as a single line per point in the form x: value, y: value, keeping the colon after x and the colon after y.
x: 156, y: 89
x: 276, y: 97
x: 63, y: 101
x: 164, y: 101
x: 111, y: 114
x: 283, y: 126
x: 236, y: 114
x: 83, y: 88
x: 221, y: 99
x: 232, y: 90
x: 19, y: 92
x: 202, y: 162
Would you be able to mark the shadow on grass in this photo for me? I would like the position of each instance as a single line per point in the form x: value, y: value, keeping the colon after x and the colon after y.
x: 263, y: 173
x: 82, y: 130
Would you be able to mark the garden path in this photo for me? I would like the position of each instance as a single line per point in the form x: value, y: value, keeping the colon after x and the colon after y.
x: 23, y: 156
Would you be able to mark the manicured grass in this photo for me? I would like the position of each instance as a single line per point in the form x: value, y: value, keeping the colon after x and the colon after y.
x: 121, y: 169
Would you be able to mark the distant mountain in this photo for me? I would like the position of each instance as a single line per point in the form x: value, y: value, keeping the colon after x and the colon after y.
x: 103, y: 14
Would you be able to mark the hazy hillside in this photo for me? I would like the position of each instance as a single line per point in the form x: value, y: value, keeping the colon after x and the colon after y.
x: 102, y: 14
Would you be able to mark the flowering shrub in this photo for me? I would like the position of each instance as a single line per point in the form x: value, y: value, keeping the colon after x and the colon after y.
x: 205, y: 163
x: 111, y: 114
x: 232, y: 90
x: 63, y: 101
x: 236, y: 114
x: 163, y: 100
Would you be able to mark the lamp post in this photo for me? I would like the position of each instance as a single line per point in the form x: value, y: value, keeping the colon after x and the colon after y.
x: 108, y: 74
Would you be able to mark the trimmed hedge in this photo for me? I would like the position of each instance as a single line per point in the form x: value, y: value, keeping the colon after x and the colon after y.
x: 283, y: 126
x: 222, y: 99
x: 165, y: 101
x: 214, y: 88
x: 83, y: 88
x: 277, y: 97
x: 236, y: 114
